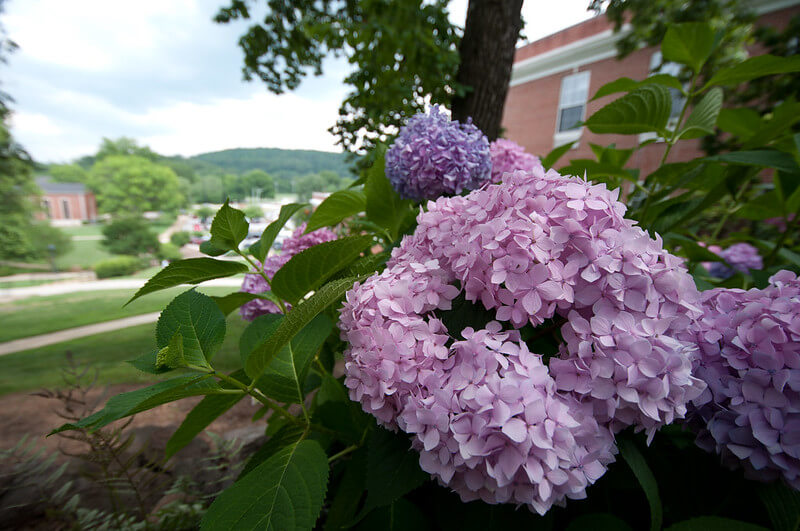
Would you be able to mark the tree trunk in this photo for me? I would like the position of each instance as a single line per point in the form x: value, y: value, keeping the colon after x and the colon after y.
x: 487, y: 54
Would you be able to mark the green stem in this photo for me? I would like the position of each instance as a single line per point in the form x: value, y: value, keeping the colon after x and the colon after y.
x: 343, y: 453
x: 260, y: 270
x: 258, y: 395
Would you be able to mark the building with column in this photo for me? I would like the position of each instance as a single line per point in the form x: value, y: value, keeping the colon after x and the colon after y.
x: 66, y: 203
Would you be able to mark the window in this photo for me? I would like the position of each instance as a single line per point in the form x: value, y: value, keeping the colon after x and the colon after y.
x: 65, y: 208
x: 46, y: 208
x: 572, y: 102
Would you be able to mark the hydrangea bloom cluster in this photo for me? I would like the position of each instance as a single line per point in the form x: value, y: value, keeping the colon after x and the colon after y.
x: 434, y: 156
x: 255, y: 283
x: 508, y: 156
x: 489, y: 417
x: 750, y: 358
x: 742, y: 257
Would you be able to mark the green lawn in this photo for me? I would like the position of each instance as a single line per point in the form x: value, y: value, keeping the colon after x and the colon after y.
x: 106, y: 353
x: 95, y: 229
x: 23, y: 283
x: 83, y: 254
x: 41, y: 315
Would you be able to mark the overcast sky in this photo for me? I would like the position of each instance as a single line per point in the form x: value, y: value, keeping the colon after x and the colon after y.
x: 162, y: 72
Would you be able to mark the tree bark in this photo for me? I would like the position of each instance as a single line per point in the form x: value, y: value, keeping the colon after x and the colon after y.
x: 487, y: 54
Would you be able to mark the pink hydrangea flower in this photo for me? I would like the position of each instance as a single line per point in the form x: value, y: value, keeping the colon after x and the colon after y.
x: 749, y: 345
x: 255, y: 283
x: 508, y: 156
x: 491, y: 419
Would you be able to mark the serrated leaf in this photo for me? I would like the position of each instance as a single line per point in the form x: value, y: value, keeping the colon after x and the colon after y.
x: 755, y: 67
x: 714, y: 523
x: 703, y: 119
x: 257, y: 332
x: 689, y: 43
x: 200, y: 323
x: 127, y: 404
x: 261, y: 248
x: 228, y: 228
x: 763, y: 157
x: 626, y: 84
x: 351, y: 489
x: 230, y: 302
x: 294, y: 321
x: 284, y: 377
x: 285, y: 492
x: 147, y: 363
x: 207, y: 247
x: 646, y: 109
x: 634, y: 458
x: 367, y: 265
x: 384, y: 205
x: 203, y: 414
x: 309, y: 269
x: 336, y: 207
x: 392, y: 469
x: 172, y: 355
x: 189, y: 271
x: 287, y: 435
x: 551, y: 158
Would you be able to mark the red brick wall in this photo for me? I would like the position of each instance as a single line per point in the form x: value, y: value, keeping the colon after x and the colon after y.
x: 81, y: 206
x: 531, y: 108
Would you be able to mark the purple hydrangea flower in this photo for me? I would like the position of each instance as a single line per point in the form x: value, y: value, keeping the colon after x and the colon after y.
x: 490, y: 418
x: 508, y: 156
x: 742, y: 257
x: 434, y: 156
x: 255, y: 283
x: 750, y: 359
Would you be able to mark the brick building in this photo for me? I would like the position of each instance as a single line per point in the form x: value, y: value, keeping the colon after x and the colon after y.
x: 66, y: 203
x: 553, y: 79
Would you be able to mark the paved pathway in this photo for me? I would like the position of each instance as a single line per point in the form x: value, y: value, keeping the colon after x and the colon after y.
x: 96, y: 285
x: 28, y: 343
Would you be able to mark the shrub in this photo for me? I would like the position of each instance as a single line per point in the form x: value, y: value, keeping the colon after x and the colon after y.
x: 169, y: 252
x: 180, y: 238
x: 118, y: 267
x: 130, y: 236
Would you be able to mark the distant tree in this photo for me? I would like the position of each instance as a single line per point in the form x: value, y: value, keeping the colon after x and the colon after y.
x: 261, y: 180
x: 204, y: 213
x: 253, y: 212
x: 207, y: 189
x: 180, y: 238
x: 127, y: 184
x: 405, y: 52
x: 130, y: 236
x: 124, y: 146
x: 67, y: 173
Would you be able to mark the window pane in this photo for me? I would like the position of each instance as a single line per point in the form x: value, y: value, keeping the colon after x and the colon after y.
x: 574, y: 89
x: 570, y: 117
x: 677, y: 102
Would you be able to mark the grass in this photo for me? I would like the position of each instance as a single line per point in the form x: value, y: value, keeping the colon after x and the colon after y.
x: 41, y: 315
x: 23, y: 283
x: 95, y: 229
x: 107, y: 353
x: 83, y: 254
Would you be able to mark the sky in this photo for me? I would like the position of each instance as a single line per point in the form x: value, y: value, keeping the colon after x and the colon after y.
x: 163, y: 73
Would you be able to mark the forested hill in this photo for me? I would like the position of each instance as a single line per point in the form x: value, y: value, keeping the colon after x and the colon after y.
x: 278, y: 162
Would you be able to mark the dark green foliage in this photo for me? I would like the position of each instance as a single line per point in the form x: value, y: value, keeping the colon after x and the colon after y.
x: 180, y: 238
x: 119, y: 266
x: 130, y: 236
x: 127, y: 185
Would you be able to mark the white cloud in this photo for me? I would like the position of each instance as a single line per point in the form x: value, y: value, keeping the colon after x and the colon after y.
x: 34, y: 124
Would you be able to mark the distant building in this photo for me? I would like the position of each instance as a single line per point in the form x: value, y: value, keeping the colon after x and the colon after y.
x: 66, y: 203
x: 553, y: 79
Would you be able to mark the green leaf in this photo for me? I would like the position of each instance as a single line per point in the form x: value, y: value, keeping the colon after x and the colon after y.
x: 198, y: 320
x: 740, y: 122
x: 189, y: 271
x: 349, y: 493
x: 782, y: 504
x: 764, y: 206
x: 133, y: 402
x: 691, y: 249
x: 401, y: 515
x: 598, y: 522
x: 367, y: 265
x: 755, y: 67
x: 690, y: 44
x: 147, y: 363
x: 203, y: 414
x: 384, y: 206
x: 230, y: 302
x: 714, y: 523
x: 630, y: 453
x: 294, y: 321
x: 229, y: 228
x: 703, y: 119
x: 284, y: 377
x: 309, y: 269
x: 210, y: 249
x: 646, y: 109
x: 257, y: 332
x: 764, y: 157
x: 626, y: 84
x: 336, y: 207
x: 551, y: 158
x: 285, y: 492
x: 172, y: 355
x: 392, y: 469
x: 288, y: 435
x: 261, y: 248
x: 597, y: 170
x: 464, y: 313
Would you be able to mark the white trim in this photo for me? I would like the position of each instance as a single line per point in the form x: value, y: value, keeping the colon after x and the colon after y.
x: 573, y: 55
x: 565, y: 137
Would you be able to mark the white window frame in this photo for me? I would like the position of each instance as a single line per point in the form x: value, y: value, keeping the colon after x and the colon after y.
x: 65, y: 209
x: 47, y: 208
x: 572, y: 135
